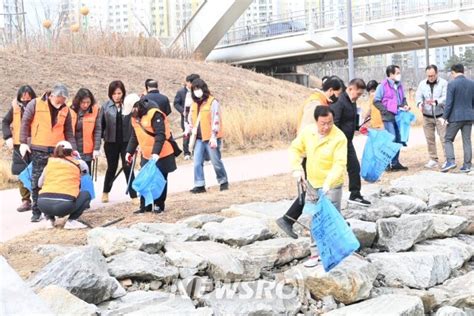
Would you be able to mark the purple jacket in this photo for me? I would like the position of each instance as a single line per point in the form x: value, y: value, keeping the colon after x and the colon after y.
x: 390, y: 99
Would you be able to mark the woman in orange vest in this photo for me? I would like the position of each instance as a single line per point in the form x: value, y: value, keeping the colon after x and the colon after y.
x: 373, y: 113
x: 11, y: 124
x: 87, y: 125
x: 60, y: 194
x: 206, y: 124
x: 151, y: 131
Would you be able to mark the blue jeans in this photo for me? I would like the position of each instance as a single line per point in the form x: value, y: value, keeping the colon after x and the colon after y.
x: 392, y: 128
x: 200, y: 150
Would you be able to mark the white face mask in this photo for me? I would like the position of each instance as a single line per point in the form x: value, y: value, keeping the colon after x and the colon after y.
x: 398, y: 77
x: 198, y: 93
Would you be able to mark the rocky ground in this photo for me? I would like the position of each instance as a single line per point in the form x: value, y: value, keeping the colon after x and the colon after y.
x: 416, y: 259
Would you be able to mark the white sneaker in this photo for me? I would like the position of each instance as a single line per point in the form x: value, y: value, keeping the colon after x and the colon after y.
x: 431, y: 164
x: 73, y: 224
x: 187, y: 157
x: 311, y: 262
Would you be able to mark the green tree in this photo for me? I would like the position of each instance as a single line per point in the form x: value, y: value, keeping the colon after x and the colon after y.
x: 455, y: 59
x: 468, y: 58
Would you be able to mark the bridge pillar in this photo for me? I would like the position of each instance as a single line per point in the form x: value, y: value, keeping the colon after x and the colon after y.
x: 288, y: 73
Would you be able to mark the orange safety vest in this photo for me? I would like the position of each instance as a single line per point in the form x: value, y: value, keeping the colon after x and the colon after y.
x: 88, y: 127
x: 375, y: 115
x: 147, y: 141
x: 62, y: 176
x: 306, y: 113
x: 206, y: 119
x: 42, y: 134
x: 16, y: 123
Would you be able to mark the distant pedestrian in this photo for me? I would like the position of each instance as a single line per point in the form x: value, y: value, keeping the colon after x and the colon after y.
x: 153, y: 94
x: 182, y: 103
x: 431, y: 99
x: 459, y: 116
x: 389, y: 100
x: 11, y: 125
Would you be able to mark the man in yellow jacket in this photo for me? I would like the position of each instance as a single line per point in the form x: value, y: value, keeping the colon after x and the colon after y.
x: 325, y: 148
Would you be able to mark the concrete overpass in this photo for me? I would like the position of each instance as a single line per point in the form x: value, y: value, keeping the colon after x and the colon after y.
x: 317, y: 36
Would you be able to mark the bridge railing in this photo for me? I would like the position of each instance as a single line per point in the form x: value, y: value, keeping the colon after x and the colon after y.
x: 318, y: 19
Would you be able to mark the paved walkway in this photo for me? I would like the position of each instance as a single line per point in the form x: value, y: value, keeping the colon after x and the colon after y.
x: 239, y: 168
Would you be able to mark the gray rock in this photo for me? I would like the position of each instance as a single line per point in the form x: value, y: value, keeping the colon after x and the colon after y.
x: 426, y: 297
x: 238, y: 231
x: 83, y: 273
x: 457, y: 292
x: 444, y: 199
x: 372, y: 214
x: 414, y: 269
x: 392, y: 304
x: 173, y: 232
x: 447, y: 225
x: 113, y: 240
x: 407, y: 204
x: 466, y: 211
x: 198, y: 221
x: 254, y: 298
x: 172, y: 305
x: 55, y: 250
x: 139, y: 301
x: 220, y: 261
x: 61, y: 302
x: 450, y: 311
x: 372, y: 191
x: 457, y: 251
x: 267, y: 211
x: 141, y: 265
x: 364, y: 231
x: 431, y: 180
x: 398, y: 234
x: 275, y: 252
x: 349, y: 282
x: 16, y: 297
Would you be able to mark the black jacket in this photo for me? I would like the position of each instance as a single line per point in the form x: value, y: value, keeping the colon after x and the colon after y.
x: 345, y: 115
x: 160, y: 99
x: 179, y: 104
x: 108, y: 117
x: 165, y: 164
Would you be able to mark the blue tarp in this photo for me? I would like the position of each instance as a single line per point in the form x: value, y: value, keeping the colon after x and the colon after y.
x: 379, y: 151
x: 87, y: 184
x: 25, y: 176
x: 333, y: 236
x: 149, y: 182
x: 404, y: 120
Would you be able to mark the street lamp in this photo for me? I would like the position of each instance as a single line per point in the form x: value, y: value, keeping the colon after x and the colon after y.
x: 427, y: 46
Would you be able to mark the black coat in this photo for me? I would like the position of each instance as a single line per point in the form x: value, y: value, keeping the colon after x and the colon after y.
x: 179, y: 104
x: 345, y: 115
x: 160, y: 99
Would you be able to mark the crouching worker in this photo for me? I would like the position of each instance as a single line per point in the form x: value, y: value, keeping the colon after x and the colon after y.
x: 325, y: 149
x: 151, y: 131
x: 60, y: 194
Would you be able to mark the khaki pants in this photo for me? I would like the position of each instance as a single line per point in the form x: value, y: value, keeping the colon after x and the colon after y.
x: 430, y: 126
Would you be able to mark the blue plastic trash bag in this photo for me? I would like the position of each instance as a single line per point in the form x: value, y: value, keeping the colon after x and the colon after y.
x: 333, y: 236
x: 379, y: 151
x: 25, y: 176
x: 87, y: 184
x: 404, y: 120
x: 149, y: 182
